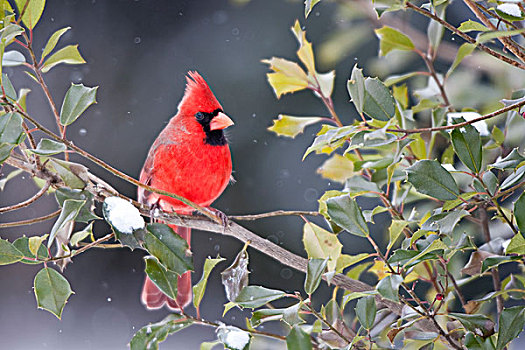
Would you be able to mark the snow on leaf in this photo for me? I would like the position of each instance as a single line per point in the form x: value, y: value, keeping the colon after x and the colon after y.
x: 122, y: 215
x: 468, y: 116
x: 233, y: 337
x: 510, y: 9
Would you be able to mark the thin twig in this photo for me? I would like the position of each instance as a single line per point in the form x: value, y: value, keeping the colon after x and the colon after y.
x: 252, y: 331
x: 83, y: 249
x: 501, y: 19
x: 332, y: 328
x: 461, y: 298
x: 28, y: 201
x: 43, y: 84
x: 31, y: 221
x: 507, y: 42
x: 103, y: 246
x: 465, y: 36
x: 459, y: 125
x: 439, y: 83
x: 484, y: 218
x: 22, y: 12
x: 415, y: 298
x: 273, y: 214
x: 508, y: 191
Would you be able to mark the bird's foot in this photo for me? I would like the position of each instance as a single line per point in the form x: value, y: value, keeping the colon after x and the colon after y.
x: 222, y: 217
x: 154, y: 211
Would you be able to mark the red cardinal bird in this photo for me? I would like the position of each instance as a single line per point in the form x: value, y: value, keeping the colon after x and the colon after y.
x: 190, y: 158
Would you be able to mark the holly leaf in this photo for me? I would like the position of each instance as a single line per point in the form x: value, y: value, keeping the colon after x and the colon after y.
x: 314, y: 274
x: 392, y: 39
x: 511, y: 322
x: 33, y: 11
x: 163, y: 278
x: 78, y: 98
x: 149, y: 337
x: 9, y: 254
x: 365, y: 310
x: 430, y: 178
x: 345, y: 212
x: 171, y: 249
x: 67, y: 55
x: 200, y: 287
x: 286, y: 125
x: 53, y: 40
x: 52, y: 290
x: 298, y: 339
x: 321, y: 244
x: 257, y: 296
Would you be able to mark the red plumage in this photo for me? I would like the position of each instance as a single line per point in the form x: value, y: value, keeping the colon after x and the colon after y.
x: 190, y: 158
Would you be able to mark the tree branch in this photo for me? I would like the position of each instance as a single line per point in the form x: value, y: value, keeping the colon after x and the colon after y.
x: 31, y: 221
x: 465, y: 36
x: 459, y: 125
x: 507, y: 42
x: 28, y: 201
x: 495, y: 273
x: 273, y: 214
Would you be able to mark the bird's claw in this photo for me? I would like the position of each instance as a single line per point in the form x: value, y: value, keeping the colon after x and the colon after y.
x: 153, y: 211
x: 222, y: 217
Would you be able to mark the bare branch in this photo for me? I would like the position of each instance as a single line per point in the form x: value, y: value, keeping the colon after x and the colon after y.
x: 459, y: 125
x: 84, y: 248
x: 484, y: 219
x: 31, y: 221
x: 507, y: 42
x: 28, y: 201
x: 273, y: 214
x: 465, y: 36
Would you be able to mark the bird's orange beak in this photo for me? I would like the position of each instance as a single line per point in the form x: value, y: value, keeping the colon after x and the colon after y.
x: 220, y: 121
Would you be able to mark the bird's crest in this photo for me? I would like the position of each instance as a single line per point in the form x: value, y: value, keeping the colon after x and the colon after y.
x: 198, y: 96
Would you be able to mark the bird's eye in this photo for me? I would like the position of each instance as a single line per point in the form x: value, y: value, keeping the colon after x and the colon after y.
x: 199, y: 116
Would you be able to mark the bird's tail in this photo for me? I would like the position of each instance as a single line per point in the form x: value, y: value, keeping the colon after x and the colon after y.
x: 153, y: 298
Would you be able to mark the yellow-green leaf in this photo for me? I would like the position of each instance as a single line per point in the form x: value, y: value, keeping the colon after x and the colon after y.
x: 200, y: 287
x: 53, y: 40
x: 337, y: 168
x: 287, y: 67
x: 67, y: 55
x: 35, y: 242
x: 395, y: 230
x: 472, y: 26
x: 463, y: 51
x: 321, y: 244
x: 516, y: 245
x: 283, y: 84
x: 305, y: 52
x: 391, y: 39
x: 308, y: 6
x: 286, y: 125
x: 33, y: 11
x: 346, y: 260
x: 484, y: 37
x: 401, y: 95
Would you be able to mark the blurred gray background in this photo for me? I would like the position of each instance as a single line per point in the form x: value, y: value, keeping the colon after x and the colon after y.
x: 138, y: 53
